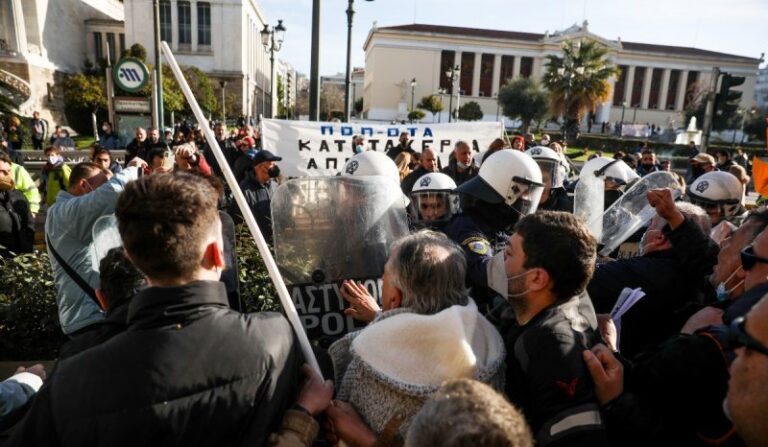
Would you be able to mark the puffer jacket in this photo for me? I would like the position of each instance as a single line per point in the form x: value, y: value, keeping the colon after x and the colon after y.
x: 390, y: 368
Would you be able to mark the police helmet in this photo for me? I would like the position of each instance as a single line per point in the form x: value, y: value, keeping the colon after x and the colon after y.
x: 717, y: 189
x: 433, y: 199
x: 554, y: 170
x: 612, y: 170
x: 371, y: 163
x: 508, y: 177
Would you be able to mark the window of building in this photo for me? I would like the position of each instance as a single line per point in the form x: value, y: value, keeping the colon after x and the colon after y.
x: 97, y: 46
x: 204, y: 23
x: 526, y: 67
x: 165, y: 21
x: 486, y: 74
x: 467, y: 73
x: 674, y: 79
x: 122, y: 44
x: 185, y: 23
x: 637, y: 86
x: 447, y: 60
x: 111, y: 47
x: 653, y: 100
x: 507, y: 67
x: 691, y: 88
x: 620, y: 86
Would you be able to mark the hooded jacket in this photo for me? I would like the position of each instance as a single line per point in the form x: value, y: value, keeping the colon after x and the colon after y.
x: 394, y: 365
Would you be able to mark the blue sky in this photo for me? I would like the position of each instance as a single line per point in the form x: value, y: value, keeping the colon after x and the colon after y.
x: 732, y: 26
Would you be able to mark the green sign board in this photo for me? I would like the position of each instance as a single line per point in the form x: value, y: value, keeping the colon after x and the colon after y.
x: 130, y: 75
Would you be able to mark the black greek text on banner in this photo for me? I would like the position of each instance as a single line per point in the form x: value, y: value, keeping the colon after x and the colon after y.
x: 321, y: 148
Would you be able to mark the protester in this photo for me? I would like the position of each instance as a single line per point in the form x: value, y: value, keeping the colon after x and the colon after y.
x: 108, y: 138
x: 17, y: 226
x: 740, y: 173
x: 427, y: 164
x: 553, y: 173
x: 18, y: 390
x: 244, y: 161
x: 700, y: 165
x: 227, y: 147
x: 747, y: 400
x: 120, y: 282
x: 258, y: 187
x: 55, y: 174
x: 429, y: 331
x: 461, y: 168
x: 39, y: 129
x: 403, y: 146
x: 68, y: 231
x: 495, y: 146
x: 62, y: 139
x: 138, y: 147
x: 23, y: 183
x: 543, y: 272
x: 101, y: 156
x: 518, y: 143
x: 648, y: 163
x: 188, y: 370
x: 403, y: 162
x: 358, y: 144
x: 724, y: 161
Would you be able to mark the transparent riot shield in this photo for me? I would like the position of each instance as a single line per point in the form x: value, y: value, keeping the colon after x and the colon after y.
x: 589, y: 197
x: 105, y: 237
x: 632, y: 211
x: 329, y: 229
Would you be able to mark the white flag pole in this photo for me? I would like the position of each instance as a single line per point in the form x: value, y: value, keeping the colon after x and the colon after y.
x: 266, y: 255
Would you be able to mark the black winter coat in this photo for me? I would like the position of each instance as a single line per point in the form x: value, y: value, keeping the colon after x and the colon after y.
x: 187, y: 371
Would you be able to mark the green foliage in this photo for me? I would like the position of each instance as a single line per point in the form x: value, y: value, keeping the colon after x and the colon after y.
x: 755, y: 124
x: 416, y: 115
x: 256, y: 287
x: 578, y: 81
x: 524, y: 99
x: 29, y: 322
x: 85, y: 92
x: 431, y: 104
x: 470, y: 111
x: 137, y: 51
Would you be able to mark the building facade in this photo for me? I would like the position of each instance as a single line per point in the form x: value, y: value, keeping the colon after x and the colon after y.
x: 761, y: 89
x: 220, y: 37
x: 287, y: 76
x: 656, y: 83
x: 336, y: 83
x: 41, y: 40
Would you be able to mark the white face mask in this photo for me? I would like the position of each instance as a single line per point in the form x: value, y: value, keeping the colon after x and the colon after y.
x: 461, y: 165
x: 724, y: 294
x: 53, y: 159
x: 498, y: 280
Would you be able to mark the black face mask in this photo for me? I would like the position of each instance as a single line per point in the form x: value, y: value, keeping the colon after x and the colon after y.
x: 273, y: 172
x: 498, y: 217
x: 697, y: 171
x: 647, y: 166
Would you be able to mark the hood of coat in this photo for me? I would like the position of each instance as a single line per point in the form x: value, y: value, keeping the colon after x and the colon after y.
x: 425, y: 350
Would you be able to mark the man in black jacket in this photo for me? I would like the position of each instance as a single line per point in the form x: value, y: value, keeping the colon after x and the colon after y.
x: 404, y: 146
x: 547, y: 264
x: 231, y: 153
x: 188, y: 370
x: 427, y: 164
x: 461, y: 167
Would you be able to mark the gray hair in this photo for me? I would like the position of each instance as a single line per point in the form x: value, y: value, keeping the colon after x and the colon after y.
x: 430, y: 271
x: 690, y: 211
x: 460, y: 143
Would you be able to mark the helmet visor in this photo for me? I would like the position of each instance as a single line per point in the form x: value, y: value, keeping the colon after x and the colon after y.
x: 524, y: 195
x: 433, y: 206
x: 552, y: 172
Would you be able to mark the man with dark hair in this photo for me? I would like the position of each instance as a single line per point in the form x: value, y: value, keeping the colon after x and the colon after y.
x: 68, y: 231
x: 101, y: 155
x: 403, y: 146
x: 188, y: 370
x: 227, y: 146
x: 647, y: 163
x: 547, y: 264
x: 120, y: 281
x: 17, y: 227
x: 108, y: 139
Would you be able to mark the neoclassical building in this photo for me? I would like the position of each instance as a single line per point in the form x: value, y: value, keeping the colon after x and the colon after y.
x: 655, y: 85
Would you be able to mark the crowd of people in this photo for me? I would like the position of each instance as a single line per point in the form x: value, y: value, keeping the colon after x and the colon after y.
x: 497, y: 322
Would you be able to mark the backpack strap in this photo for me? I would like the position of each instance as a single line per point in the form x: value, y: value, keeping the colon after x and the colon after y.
x: 72, y: 273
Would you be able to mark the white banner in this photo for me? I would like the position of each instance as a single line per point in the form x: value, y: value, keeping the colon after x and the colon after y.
x: 322, y: 148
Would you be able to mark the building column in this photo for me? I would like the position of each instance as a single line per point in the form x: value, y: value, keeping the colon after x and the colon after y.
x: 629, y: 82
x: 193, y: 20
x: 604, y: 110
x: 537, y: 68
x: 496, y: 75
x: 516, y: 67
x: 681, y: 85
x: 664, y: 91
x: 476, y: 73
x: 20, y: 29
x: 174, y: 25
x: 646, y: 95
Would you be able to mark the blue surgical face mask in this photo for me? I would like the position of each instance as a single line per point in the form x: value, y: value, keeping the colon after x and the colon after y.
x: 724, y: 294
x: 359, y: 148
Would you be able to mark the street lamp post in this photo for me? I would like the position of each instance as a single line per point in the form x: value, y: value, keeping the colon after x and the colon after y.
x: 158, y: 67
x: 452, y: 73
x: 272, y: 39
x: 498, y: 107
x: 348, y: 77
x: 413, y: 95
x: 223, y: 85
x: 314, y: 68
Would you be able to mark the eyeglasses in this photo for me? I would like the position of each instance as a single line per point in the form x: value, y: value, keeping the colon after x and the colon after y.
x: 749, y: 258
x: 738, y: 337
x: 705, y: 205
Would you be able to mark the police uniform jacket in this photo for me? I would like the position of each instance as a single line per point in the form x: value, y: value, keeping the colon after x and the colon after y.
x: 187, y: 371
x: 558, y: 200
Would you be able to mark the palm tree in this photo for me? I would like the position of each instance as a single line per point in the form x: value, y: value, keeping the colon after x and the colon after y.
x: 578, y: 81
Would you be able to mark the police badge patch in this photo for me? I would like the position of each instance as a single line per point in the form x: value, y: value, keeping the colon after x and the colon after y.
x: 701, y: 187
x: 425, y: 181
x: 352, y: 167
x: 477, y: 245
x: 535, y: 151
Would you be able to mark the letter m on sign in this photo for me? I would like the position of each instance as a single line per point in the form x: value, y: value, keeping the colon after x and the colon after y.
x: 130, y: 74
